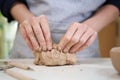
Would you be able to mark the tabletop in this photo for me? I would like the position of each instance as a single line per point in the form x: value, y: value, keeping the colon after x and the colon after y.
x: 85, y: 69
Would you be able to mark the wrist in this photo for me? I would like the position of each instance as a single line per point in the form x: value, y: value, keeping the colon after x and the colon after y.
x: 20, y: 12
x: 92, y: 24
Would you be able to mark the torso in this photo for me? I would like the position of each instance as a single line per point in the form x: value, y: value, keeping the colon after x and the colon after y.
x: 60, y: 14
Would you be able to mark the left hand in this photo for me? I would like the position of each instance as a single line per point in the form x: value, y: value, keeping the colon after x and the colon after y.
x: 77, y: 37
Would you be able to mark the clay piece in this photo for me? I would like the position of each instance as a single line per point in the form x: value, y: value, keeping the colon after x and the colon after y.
x: 115, y: 57
x: 54, y: 57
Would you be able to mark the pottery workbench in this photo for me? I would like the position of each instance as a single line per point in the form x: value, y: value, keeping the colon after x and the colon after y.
x: 86, y: 69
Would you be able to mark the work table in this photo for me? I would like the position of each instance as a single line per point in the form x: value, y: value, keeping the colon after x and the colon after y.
x: 86, y: 69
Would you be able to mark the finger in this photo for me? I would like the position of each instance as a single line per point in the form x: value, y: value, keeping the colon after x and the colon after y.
x: 46, y: 31
x: 28, y: 29
x: 83, y: 39
x: 24, y: 34
x: 73, y: 41
x: 86, y: 36
x: 37, y: 58
x: 67, y: 37
x: 90, y: 41
x: 76, y: 37
x: 39, y: 34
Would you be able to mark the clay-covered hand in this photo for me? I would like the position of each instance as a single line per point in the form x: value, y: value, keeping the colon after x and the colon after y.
x: 77, y: 37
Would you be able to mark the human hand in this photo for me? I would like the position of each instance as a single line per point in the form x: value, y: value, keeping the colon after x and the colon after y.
x: 77, y: 37
x: 36, y: 33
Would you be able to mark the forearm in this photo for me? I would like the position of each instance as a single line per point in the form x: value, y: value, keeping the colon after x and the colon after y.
x: 103, y: 17
x: 34, y: 29
x: 20, y: 12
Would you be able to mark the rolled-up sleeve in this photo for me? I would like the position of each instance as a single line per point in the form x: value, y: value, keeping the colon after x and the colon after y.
x: 5, y: 6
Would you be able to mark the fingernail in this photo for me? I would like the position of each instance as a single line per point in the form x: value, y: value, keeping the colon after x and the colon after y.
x: 49, y: 47
x: 59, y: 48
x: 65, y: 50
x: 36, y: 48
x: 44, y: 48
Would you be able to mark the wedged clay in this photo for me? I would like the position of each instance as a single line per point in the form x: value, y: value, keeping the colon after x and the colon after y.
x: 54, y: 57
x: 115, y: 57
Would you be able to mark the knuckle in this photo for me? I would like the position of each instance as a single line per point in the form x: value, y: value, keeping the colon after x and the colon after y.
x: 25, y: 22
x: 74, y: 40
x: 75, y: 23
x: 33, y: 41
x: 42, y: 16
x: 22, y: 24
x: 30, y: 33
x: 48, y: 39
x: 37, y: 32
x: 33, y: 18
x: 67, y: 39
x: 84, y: 26
x: 35, y: 47
x: 34, y: 21
x: 82, y: 41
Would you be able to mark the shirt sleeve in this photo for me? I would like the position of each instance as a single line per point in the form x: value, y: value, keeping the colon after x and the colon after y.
x: 116, y: 3
x: 5, y: 6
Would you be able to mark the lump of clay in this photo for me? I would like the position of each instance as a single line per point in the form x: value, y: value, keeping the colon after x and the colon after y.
x: 115, y: 57
x: 54, y: 57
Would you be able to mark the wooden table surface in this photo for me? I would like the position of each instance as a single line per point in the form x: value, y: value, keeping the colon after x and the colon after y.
x: 86, y: 69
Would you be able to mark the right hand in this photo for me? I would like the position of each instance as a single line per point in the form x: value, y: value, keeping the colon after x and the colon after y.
x: 36, y: 33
